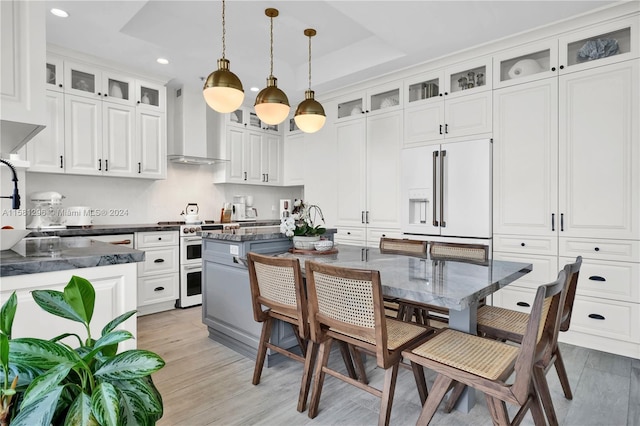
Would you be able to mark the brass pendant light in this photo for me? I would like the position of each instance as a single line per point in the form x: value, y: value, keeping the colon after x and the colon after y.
x: 272, y: 104
x: 310, y: 116
x: 222, y: 88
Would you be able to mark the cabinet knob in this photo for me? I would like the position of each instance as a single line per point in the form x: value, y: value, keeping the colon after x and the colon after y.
x: 597, y: 249
x: 522, y: 244
x: 440, y: 94
x: 553, y: 68
x: 105, y: 95
x: 99, y: 93
x: 348, y: 233
x: 60, y: 85
x: 446, y: 93
x: 158, y: 289
x: 561, y: 67
x: 138, y: 102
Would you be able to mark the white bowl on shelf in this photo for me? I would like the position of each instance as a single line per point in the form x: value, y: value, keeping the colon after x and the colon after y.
x: 11, y: 237
x: 323, y: 245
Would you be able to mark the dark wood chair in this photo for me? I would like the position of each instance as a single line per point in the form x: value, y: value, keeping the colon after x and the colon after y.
x: 509, y: 325
x: 438, y: 316
x: 462, y: 359
x: 347, y: 305
x: 277, y: 285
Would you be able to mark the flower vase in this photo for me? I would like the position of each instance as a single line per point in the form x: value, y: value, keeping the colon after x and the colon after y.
x: 304, y: 242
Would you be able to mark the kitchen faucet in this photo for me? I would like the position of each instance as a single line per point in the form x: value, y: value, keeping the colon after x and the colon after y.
x: 15, y: 203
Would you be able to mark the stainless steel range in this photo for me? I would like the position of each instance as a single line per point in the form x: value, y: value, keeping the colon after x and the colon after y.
x: 191, y: 260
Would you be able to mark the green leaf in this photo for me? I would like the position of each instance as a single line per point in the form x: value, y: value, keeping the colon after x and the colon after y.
x: 107, y: 340
x: 54, y: 302
x: 64, y: 336
x: 79, y: 413
x: 39, y: 353
x: 26, y: 374
x: 8, y: 313
x: 116, y: 322
x: 40, y: 412
x: 45, y: 383
x: 105, y: 404
x: 4, y: 350
x: 130, y: 365
x: 81, y: 296
x: 141, y: 394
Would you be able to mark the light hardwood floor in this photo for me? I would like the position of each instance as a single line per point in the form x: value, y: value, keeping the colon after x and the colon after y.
x: 205, y: 383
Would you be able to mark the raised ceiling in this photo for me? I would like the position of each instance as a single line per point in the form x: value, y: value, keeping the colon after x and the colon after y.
x: 356, y: 40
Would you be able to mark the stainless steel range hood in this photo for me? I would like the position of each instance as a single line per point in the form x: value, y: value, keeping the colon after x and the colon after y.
x: 190, y: 141
x: 14, y: 135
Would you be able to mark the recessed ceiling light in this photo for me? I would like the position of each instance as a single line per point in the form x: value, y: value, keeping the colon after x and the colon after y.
x: 59, y: 12
x: 254, y: 89
x: 162, y: 61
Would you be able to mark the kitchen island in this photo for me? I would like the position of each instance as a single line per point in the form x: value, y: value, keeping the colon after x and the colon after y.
x: 49, y: 263
x: 226, y: 295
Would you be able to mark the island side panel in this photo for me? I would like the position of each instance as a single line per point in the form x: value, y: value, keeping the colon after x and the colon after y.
x: 116, y: 293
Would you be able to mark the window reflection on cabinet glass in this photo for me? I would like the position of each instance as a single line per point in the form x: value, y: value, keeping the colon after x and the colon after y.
x: 600, y: 46
x: 118, y: 89
x: 149, y: 96
x: 51, y: 74
x: 83, y: 81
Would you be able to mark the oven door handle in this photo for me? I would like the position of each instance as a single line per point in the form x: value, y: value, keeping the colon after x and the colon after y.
x: 192, y: 239
x: 190, y: 268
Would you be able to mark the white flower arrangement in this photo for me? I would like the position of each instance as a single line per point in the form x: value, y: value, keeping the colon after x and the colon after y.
x: 301, y: 222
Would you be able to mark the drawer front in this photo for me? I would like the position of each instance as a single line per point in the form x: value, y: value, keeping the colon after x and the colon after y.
x: 156, y: 239
x: 517, y: 299
x: 621, y: 250
x: 374, y: 235
x: 159, y: 261
x: 545, y: 269
x: 355, y: 236
x: 525, y: 244
x: 158, y: 288
x: 608, y: 280
x: 607, y: 318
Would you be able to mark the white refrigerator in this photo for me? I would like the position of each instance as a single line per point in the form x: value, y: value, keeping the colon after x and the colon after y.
x: 446, y: 191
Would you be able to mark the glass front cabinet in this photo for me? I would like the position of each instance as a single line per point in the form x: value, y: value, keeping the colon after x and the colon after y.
x: 379, y: 99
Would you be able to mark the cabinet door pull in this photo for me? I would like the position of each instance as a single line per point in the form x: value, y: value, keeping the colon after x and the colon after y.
x: 106, y: 165
x: 100, y: 164
x: 443, y: 224
x: 61, y: 163
x: 441, y: 126
x: 245, y: 175
x: 158, y: 289
x: 523, y: 304
x: 139, y: 167
x: 435, y: 204
x: 366, y: 217
x: 446, y: 129
x: 553, y: 221
x: 158, y: 261
x: 121, y: 242
x: 362, y: 255
x: 597, y: 278
x: 362, y: 216
x: 596, y: 316
x: 561, y: 222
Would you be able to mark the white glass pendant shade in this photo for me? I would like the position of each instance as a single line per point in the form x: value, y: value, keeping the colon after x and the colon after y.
x: 310, y: 116
x: 222, y: 89
x: 272, y: 104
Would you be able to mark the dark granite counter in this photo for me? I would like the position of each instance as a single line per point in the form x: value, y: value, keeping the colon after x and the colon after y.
x: 251, y: 233
x: 33, y: 256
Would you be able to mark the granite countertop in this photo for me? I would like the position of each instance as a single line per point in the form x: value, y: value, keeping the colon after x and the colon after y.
x: 448, y: 283
x: 33, y: 256
x: 250, y: 233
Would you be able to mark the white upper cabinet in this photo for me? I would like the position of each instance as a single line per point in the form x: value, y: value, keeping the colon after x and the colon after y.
x: 526, y: 63
x: 45, y: 151
x: 384, y: 98
x: 448, y: 103
x: 55, y: 73
x: 150, y: 96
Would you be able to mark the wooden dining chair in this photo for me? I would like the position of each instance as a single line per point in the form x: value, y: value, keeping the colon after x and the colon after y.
x: 486, y: 364
x: 427, y: 314
x: 347, y: 305
x: 277, y: 285
x: 506, y: 324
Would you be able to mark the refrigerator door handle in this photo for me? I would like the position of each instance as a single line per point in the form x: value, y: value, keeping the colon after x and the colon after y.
x: 435, y: 192
x: 443, y: 224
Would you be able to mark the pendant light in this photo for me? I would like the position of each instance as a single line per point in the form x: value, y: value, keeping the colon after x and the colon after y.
x: 272, y: 104
x: 310, y: 116
x: 223, y: 89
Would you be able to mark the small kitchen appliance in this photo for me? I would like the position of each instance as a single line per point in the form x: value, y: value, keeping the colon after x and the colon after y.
x: 239, y: 209
x: 251, y: 212
x: 285, y: 208
x: 190, y: 214
x: 48, y: 213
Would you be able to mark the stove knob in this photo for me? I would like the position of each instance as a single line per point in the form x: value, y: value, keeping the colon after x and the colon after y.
x: 192, y: 230
x: 198, y: 229
x: 185, y: 230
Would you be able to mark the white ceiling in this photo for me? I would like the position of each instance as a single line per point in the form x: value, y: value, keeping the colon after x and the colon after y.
x: 356, y: 40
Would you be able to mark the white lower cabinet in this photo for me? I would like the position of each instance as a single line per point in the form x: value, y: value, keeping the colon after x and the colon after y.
x: 158, y: 275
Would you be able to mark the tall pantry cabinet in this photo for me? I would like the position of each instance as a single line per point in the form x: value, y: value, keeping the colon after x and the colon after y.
x: 567, y: 179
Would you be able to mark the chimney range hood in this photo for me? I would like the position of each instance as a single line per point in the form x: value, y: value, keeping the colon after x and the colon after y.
x: 190, y: 141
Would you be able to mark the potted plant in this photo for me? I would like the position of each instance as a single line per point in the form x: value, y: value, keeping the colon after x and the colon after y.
x: 301, y: 225
x: 47, y: 382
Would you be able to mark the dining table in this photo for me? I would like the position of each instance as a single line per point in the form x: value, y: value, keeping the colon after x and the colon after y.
x: 458, y: 285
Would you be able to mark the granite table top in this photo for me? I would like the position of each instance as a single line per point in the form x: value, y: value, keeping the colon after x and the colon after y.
x: 37, y: 255
x: 251, y: 233
x: 453, y: 284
